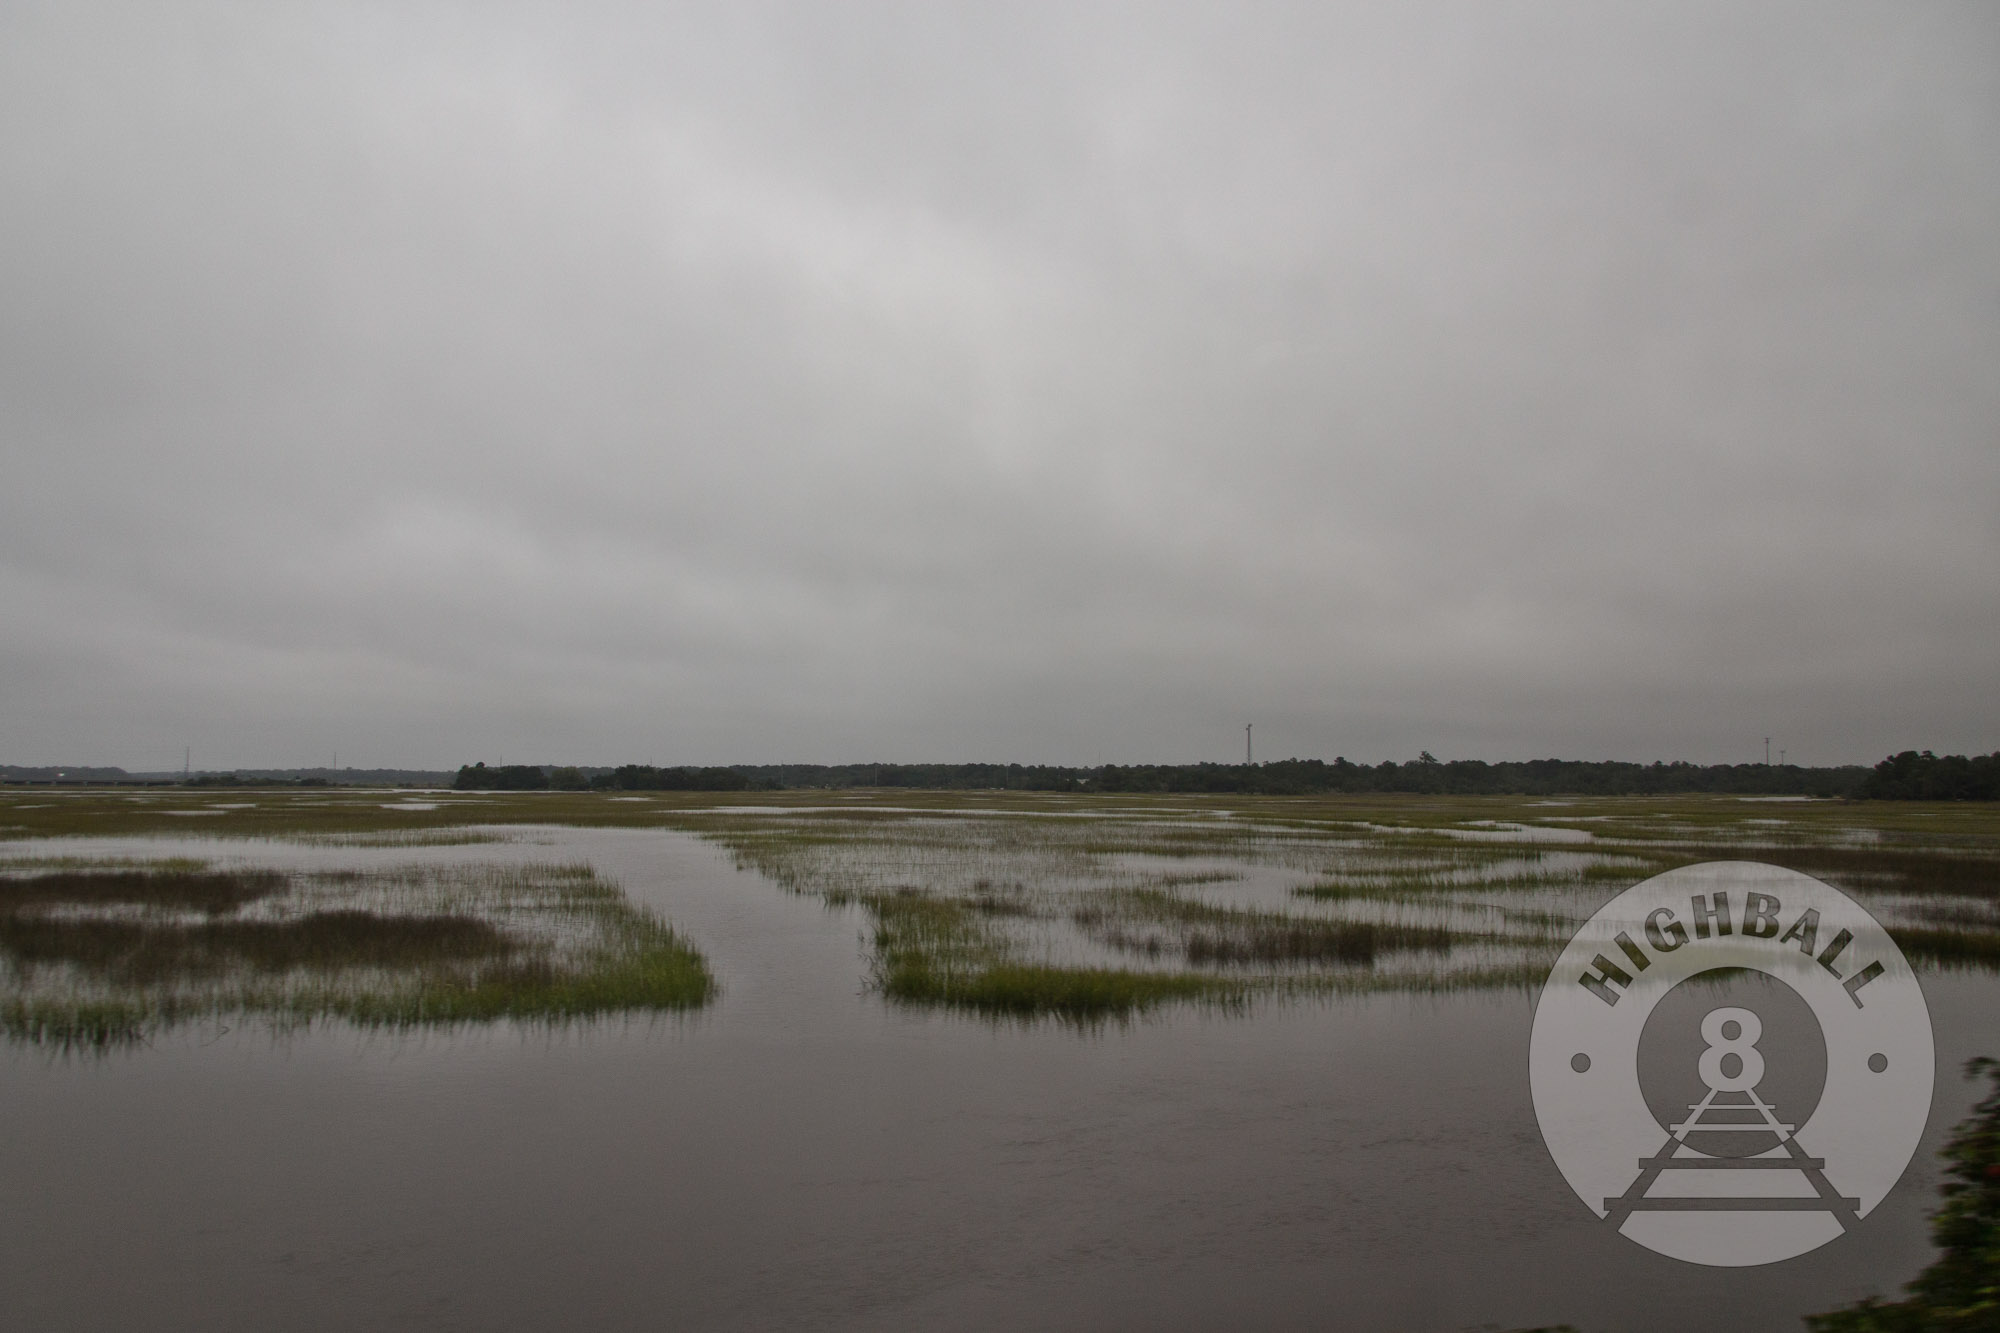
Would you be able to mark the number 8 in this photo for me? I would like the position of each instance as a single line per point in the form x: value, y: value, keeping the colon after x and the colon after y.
x: 1750, y: 1062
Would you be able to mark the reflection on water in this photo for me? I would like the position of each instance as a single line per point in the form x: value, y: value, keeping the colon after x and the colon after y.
x: 803, y: 1155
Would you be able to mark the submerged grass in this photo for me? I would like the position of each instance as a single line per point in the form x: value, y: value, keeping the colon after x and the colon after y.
x: 131, y: 953
x: 439, y: 837
x: 189, y: 889
x: 25, y: 865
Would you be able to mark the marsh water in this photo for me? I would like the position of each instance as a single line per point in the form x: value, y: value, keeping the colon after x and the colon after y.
x: 802, y: 1153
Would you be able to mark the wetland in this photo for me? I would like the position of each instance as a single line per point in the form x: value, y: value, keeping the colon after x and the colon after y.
x: 866, y: 1059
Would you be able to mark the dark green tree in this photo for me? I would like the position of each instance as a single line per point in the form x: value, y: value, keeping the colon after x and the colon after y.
x: 1910, y: 776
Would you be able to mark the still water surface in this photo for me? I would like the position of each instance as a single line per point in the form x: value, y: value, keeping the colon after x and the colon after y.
x: 803, y: 1155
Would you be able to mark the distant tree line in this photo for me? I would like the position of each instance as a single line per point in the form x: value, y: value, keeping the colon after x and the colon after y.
x: 627, y: 777
x: 644, y: 777
x: 1308, y: 777
x: 241, y: 777
x: 1910, y: 776
x: 250, y: 780
x: 1474, y: 777
x: 1907, y: 776
x: 502, y: 777
x: 1288, y: 777
x: 934, y: 777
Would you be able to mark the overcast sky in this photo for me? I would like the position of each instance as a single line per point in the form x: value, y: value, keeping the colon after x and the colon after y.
x: 1066, y: 383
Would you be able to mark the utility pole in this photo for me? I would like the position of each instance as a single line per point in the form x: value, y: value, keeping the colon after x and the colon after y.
x: 1247, y: 759
x: 187, y: 751
x: 1767, y: 752
x: 1781, y: 756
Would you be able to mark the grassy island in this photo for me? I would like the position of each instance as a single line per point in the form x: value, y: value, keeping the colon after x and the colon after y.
x: 96, y: 956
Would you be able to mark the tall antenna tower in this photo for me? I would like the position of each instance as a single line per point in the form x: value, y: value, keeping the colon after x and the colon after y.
x: 1767, y: 751
x: 1247, y: 759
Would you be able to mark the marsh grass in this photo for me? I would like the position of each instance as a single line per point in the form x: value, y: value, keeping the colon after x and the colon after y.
x: 441, y: 837
x: 1023, y: 903
x: 932, y: 951
x: 1209, y: 935
x: 1967, y: 871
x: 1957, y: 914
x: 971, y: 912
x: 191, y: 889
x: 23, y: 865
x: 1073, y: 994
x: 132, y: 953
x: 1290, y: 940
x: 99, y: 958
x: 1949, y: 948
x: 999, y: 910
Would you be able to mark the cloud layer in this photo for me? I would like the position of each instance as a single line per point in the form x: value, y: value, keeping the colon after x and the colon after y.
x: 1060, y: 383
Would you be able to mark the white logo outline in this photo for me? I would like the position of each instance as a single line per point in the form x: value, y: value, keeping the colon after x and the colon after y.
x: 1819, y: 1179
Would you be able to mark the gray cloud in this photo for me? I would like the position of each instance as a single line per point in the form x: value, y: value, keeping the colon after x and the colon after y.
x: 1064, y: 383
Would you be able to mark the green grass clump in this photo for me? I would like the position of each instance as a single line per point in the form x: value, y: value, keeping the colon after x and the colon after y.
x: 659, y: 971
x: 1076, y: 993
x: 931, y: 950
x: 88, y: 1025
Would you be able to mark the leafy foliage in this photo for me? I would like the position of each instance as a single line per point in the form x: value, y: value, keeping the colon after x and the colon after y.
x: 1910, y: 776
x: 506, y: 777
x: 644, y: 777
x: 1961, y: 1290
